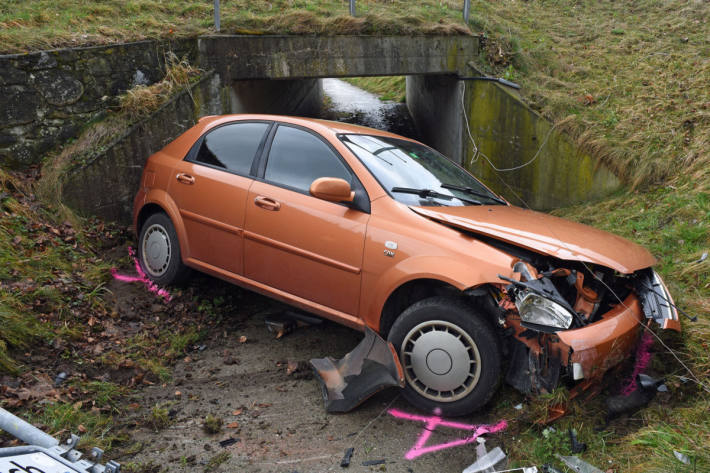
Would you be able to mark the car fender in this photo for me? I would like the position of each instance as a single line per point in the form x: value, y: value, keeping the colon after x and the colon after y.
x: 453, y: 271
x: 162, y: 199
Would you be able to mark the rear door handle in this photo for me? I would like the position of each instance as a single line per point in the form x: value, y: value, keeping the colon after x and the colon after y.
x: 185, y: 178
x: 266, y: 203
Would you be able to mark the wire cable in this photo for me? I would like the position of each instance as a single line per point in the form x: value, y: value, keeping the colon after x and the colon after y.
x: 477, y: 152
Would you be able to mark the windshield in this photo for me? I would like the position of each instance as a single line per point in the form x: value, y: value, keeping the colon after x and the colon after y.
x: 416, y: 175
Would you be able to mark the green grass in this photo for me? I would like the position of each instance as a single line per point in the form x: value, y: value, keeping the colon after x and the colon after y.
x: 41, y: 24
x: 386, y: 87
x: 60, y: 417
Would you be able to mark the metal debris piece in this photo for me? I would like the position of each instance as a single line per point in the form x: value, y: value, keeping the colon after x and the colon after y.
x: 345, y: 462
x: 45, y: 453
x: 682, y: 457
x: 575, y: 445
x: 578, y: 465
x: 370, y: 367
x: 489, y: 462
x: 61, y: 377
x: 373, y: 462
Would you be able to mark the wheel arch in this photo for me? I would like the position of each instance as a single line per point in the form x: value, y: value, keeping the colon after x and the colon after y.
x: 410, y: 293
x: 159, y: 201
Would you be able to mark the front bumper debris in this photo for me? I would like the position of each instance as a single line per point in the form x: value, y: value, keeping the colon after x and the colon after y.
x: 372, y: 366
x: 538, y: 359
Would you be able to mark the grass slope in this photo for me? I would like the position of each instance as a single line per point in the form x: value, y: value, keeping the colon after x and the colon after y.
x: 40, y: 24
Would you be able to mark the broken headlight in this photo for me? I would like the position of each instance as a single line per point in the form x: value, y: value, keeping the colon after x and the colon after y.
x: 538, y: 310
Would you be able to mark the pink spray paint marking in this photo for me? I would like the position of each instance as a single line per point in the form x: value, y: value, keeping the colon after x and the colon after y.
x: 432, y: 422
x: 643, y: 357
x: 142, y: 277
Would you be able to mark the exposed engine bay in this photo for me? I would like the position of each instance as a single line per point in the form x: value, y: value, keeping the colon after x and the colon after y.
x: 554, y: 307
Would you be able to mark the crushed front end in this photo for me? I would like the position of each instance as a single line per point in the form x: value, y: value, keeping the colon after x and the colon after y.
x: 573, y: 321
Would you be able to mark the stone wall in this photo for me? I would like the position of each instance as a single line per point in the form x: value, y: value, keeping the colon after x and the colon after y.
x: 47, y: 97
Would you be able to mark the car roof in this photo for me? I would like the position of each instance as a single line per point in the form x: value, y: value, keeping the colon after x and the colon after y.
x: 322, y: 126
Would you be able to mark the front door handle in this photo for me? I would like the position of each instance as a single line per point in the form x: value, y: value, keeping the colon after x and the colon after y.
x: 185, y: 178
x: 266, y: 203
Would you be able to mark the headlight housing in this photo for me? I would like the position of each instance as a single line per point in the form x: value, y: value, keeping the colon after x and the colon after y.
x: 538, y: 310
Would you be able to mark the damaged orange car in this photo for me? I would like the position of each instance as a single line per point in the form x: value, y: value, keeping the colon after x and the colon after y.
x: 371, y: 229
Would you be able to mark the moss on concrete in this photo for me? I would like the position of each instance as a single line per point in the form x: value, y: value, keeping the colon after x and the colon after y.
x: 510, y: 134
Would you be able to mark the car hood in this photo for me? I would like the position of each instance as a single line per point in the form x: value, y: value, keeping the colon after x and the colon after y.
x: 544, y: 233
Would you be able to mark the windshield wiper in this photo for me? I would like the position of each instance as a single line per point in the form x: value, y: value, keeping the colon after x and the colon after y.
x: 468, y: 190
x: 423, y: 193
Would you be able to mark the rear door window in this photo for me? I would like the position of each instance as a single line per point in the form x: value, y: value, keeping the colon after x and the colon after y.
x: 297, y: 158
x: 232, y: 147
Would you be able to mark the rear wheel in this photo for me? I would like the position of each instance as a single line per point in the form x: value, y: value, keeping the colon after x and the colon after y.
x: 450, y: 354
x: 159, y: 251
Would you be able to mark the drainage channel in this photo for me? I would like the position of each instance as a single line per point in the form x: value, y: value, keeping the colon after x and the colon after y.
x: 352, y: 104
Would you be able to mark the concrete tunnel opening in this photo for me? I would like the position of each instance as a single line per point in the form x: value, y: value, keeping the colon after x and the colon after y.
x: 430, y: 113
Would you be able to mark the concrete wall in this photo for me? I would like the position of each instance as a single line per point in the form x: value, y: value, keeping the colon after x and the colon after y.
x: 106, y: 184
x: 46, y: 97
x: 510, y: 133
x: 237, y: 57
x: 434, y: 101
x: 302, y: 97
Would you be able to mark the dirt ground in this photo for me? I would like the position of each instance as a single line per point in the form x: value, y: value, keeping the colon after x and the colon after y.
x: 278, y: 419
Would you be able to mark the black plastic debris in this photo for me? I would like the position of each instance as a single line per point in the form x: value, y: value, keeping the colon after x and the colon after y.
x: 575, y: 445
x: 286, y: 322
x: 646, y: 388
x: 227, y: 442
x: 61, y: 377
x: 374, y: 462
x: 370, y: 367
x: 345, y: 462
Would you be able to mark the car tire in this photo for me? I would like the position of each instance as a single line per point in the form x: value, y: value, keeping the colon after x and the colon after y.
x: 159, y: 251
x: 450, y: 354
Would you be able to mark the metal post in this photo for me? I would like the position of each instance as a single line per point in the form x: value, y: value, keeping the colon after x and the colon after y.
x: 352, y: 7
x: 466, y: 10
x: 24, y: 431
x: 216, y: 15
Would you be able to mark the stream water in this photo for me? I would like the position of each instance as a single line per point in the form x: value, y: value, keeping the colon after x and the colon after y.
x: 353, y: 105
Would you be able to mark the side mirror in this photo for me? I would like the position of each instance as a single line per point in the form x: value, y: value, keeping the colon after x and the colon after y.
x: 332, y: 189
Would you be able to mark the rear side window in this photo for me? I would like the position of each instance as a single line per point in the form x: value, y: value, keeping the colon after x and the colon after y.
x: 297, y: 158
x: 232, y: 147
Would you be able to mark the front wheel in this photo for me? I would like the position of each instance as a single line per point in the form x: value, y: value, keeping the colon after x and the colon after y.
x: 159, y: 251
x: 450, y: 354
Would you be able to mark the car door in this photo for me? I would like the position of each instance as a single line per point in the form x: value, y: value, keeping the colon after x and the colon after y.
x: 210, y: 188
x: 295, y: 242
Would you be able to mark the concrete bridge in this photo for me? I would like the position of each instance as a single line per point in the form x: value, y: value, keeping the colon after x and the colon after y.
x: 280, y: 74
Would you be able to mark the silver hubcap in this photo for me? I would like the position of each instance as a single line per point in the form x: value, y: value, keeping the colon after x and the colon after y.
x: 156, y: 250
x: 441, y: 361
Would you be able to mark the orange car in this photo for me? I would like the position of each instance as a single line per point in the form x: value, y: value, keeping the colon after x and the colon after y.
x: 371, y: 229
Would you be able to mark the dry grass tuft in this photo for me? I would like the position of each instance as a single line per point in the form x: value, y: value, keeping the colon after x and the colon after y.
x: 143, y: 100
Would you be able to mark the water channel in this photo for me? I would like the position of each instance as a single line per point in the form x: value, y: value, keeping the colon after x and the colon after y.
x: 352, y: 104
